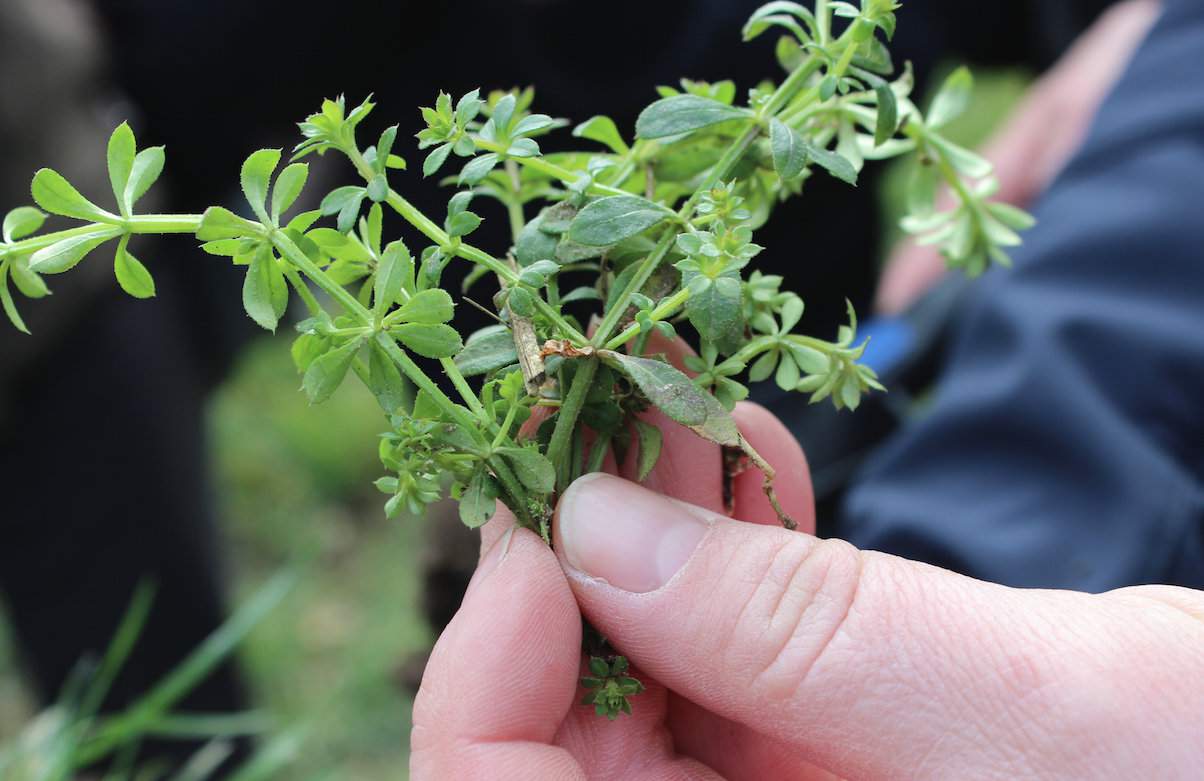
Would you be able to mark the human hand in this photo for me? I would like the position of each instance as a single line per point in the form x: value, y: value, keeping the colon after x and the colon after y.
x: 1039, y: 139
x: 771, y: 654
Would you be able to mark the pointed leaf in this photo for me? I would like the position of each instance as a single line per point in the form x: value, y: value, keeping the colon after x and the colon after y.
x: 121, y: 152
x: 131, y: 274
x: 479, y: 502
x: 675, y: 394
x: 64, y: 255
x: 532, y: 468
x: 435, y: 160
x: 651, y: 444
x: 429, y: 341
x: 327, y: 372
x: 255, y: 177
x: 789, y: 150
x: 386, y: 383
x: 265, y: 292
x: 833, y: 163
x: 288, y: 188
x: 396, y: 268
x: 610, y: 220
x: 148, y: 166
x: 6, y: 302
x: 684, y: 114
x: 487, y: 350
x: 56, y: 195
x: 21, y: 222
x: 604, y: 131
x: 479, y: 168
x: 953, y: 98
x: 888, y: 113
x: 219, y: 224
x: 28, y: 282
x: 430, y: 307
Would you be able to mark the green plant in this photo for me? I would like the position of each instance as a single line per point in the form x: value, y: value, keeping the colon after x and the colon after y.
x: 73, y: 735
x: 658, y: 232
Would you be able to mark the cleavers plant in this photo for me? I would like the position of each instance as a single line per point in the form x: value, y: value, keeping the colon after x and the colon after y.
x: 657, y: 232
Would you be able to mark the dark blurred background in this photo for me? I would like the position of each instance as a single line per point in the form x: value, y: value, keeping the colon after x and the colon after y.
x: 166, y: 438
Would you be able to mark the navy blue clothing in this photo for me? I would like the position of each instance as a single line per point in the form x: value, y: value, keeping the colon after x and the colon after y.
x: 1065, y: 443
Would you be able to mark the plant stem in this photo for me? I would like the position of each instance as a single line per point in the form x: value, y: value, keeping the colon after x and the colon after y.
x: 514, y: 207
x: 597, y: 454
x: 550, y: 169
x: 663, y: 311
x: 291, y: 252
x: 465, y: 391
x: 141, y: 225
x: 423, y: 382
x: 566, y: 419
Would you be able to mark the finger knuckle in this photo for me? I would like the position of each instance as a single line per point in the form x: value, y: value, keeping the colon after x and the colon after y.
x: 799, y: 609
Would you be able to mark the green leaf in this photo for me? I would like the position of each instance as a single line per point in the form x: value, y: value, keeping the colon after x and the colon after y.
x: 288, y: 188
x: 610, y: 220
x: 789, y: 150
x: 327, y: 372
x: 56, y: 195
x: 888, y: 113
x: 6, y: 302
x: 479, y: 502
x: 218, y: 224
x: 386, y: 383
x: 667, y: 388
x: 675, y: 394
x: 717, y: 310
x: 429, y: 341
x: 28, y: 282
x: 131, y: 274
x: 147, y: 168
x: 21, y: 222
x: 462, y: 224
x: 604, y: 131
x: 532, y: 468
x: 487, y: 351
x: 430, y: 307
x: 833, y: 163
x: 264, y: 291
x: 534, y: 244
x: 122, y: 149
x: 952, y: 100
x: 478, y: 169
x: 1012, y: 217
x: 963, y: 160
x: 64, y: 255
x: 306, y: 349
x: 521, y: 302
x: 684, y: 114
x: 256, y: 176
x: 435, y: 160
x: 651, y: 444
x: 378, y: 188
x: 396, y: 267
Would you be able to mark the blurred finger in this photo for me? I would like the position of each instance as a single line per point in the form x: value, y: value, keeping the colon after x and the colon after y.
x: 502, y: 677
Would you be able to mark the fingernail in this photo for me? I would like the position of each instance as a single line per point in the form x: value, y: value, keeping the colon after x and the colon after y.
x: 493, y: 559
x: 626, y: 535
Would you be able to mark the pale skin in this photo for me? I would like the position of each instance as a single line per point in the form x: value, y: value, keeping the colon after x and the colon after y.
x: 1039, y: 139
x: 771, y: 654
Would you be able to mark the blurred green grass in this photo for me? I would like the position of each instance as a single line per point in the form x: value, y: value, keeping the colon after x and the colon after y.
x: 294, y: 490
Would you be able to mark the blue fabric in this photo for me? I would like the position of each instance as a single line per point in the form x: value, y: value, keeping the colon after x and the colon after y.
x: 1065, y: 443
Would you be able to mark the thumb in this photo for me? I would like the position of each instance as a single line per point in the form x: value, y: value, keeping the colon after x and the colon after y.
x: 877, y: 667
